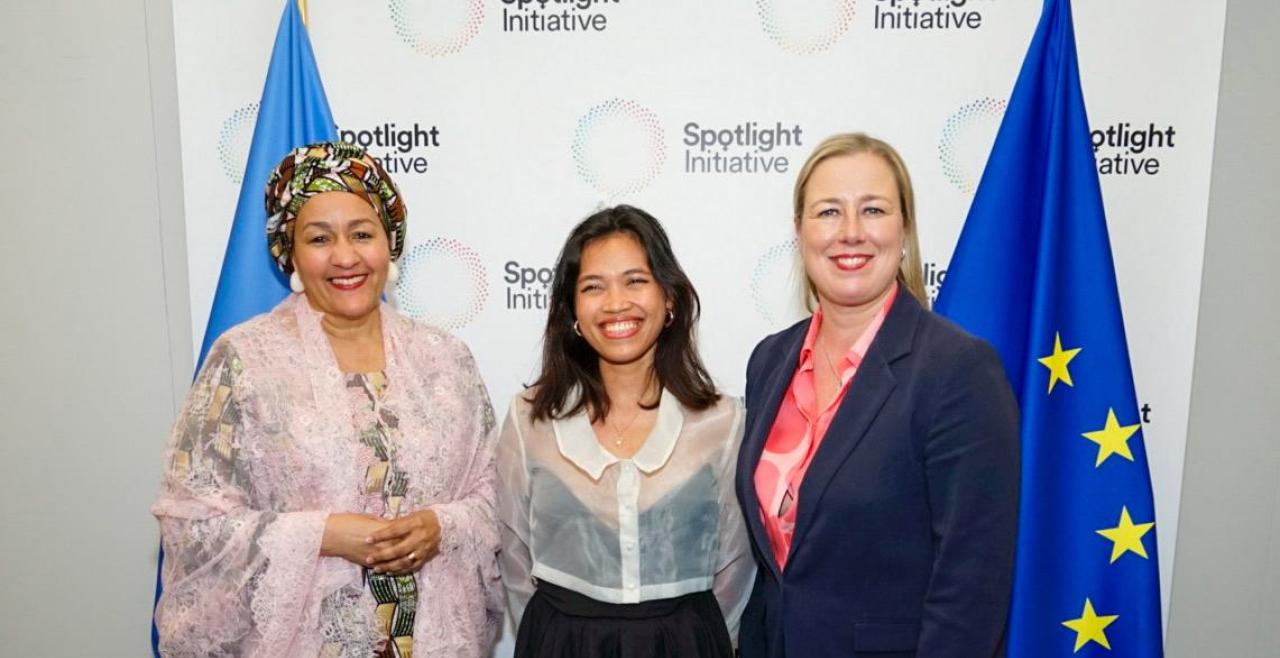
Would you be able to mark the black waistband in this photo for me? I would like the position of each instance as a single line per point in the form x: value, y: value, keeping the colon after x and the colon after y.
x: 572, y: 603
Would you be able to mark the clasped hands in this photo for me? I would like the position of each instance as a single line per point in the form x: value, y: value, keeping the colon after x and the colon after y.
x: 395, y: 547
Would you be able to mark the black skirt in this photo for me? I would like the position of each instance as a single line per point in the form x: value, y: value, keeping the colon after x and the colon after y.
x: 561, y: 623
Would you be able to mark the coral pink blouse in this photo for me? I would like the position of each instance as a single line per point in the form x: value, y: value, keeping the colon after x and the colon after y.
x: 799, y: 429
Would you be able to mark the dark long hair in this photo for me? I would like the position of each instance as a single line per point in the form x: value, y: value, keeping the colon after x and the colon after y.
x: 570, y: 378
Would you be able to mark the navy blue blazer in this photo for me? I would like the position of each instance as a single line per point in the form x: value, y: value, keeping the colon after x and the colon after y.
x: 908, y: 513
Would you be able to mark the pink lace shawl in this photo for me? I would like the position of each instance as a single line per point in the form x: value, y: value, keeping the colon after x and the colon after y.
x: 265, y: 449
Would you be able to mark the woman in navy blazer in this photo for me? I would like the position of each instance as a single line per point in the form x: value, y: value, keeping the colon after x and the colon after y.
x: 879, y: 471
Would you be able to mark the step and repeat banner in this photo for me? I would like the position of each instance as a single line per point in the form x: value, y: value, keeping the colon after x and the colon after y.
x: 505, y: 122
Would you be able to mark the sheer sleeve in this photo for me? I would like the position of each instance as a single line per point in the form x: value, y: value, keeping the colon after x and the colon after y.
x: 515, y: 561
x: 735, y: 566
x: 237, y: 580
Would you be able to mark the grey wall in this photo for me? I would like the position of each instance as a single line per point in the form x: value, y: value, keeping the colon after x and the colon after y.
x: 94, y: 336
x: 1226, y: 580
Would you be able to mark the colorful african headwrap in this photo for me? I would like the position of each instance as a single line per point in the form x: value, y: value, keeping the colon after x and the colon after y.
x: 328, y: 167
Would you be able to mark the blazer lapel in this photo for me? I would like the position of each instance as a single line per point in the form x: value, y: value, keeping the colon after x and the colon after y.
x: 862, y: 403
x: 767, y: 399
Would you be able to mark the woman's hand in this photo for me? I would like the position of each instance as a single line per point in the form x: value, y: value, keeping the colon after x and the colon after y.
x: 406, y: 543
x: 349, y: 536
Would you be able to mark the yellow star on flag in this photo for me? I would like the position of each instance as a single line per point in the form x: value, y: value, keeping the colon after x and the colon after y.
x: 1090, y: 627
x: 1057, y: 362
x: 1127, y: 536
x: 1112, y: 439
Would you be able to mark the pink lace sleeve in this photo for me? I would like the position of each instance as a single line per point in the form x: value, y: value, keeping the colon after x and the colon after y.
x: 461, y: 608
x: 237, y: 580
x: 468, y: 523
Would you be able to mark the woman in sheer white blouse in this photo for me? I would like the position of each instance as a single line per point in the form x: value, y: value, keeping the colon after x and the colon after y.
x: 615, y: 469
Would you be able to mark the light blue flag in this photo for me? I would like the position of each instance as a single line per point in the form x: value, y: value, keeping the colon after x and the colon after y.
x: 294, y: 112
x: 1033, y: 274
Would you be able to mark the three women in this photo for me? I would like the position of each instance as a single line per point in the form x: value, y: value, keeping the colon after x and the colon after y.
x: 334, y: 460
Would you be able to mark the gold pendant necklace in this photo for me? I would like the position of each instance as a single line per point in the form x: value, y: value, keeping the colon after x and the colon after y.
x: 619, y: 435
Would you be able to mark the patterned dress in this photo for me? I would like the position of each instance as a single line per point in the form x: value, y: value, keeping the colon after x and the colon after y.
x: 384, y: 487
x: 273, y: 438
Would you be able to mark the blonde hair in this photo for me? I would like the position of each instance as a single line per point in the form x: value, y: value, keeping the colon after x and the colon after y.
x: 911, y: 270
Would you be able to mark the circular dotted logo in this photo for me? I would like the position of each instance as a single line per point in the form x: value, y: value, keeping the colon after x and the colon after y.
x: 234, y: 139
x: 443, y: 282
x: 619, y: 147
x: 805, y: 28
x: 436, y: 28
x: 777, y: 287
x: 966, y: 141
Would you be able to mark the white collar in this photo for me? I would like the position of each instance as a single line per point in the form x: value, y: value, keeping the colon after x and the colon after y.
x: 577, y: 441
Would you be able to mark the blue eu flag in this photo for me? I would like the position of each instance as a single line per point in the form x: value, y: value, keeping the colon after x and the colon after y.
x: 294, y: 112
x: 1033, y: 274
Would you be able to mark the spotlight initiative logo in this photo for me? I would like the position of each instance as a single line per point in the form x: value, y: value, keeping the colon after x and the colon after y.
x: 618, y: 147
x: 775, y: 286
x: 443, y: 282
x: 966, y: 141
x: 805, y: 28
x: 1132, y: 149
x: 748, y: 147
x: 928, y: 15
x: 436, y: 28
x: 553, y: 16
x: 527, y: 286
x: 234, y: 139
x: 400, y: 148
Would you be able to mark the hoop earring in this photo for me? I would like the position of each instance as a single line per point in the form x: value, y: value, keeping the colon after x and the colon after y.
x: 671, y: 317
x: 576, y: 330
x: 295, y: 282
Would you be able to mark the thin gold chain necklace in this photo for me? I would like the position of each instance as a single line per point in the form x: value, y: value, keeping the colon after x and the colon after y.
x: 619, y: 435
x: 834, y: 373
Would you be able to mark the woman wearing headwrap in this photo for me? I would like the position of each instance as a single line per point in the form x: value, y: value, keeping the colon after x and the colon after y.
x: 329, y: 483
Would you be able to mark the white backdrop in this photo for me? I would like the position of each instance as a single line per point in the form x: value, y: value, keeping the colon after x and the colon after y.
x: 507, y: 121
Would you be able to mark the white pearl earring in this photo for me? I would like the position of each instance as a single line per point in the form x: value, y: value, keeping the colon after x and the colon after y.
x: 295, y: 282
x: 393, y: 273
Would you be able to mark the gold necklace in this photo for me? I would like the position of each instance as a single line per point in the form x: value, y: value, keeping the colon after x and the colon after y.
x: 618, y: 436
x: 834, y: 373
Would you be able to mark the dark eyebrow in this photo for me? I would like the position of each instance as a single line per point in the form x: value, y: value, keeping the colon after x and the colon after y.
x: 329, y: 227
x: 597, y: 277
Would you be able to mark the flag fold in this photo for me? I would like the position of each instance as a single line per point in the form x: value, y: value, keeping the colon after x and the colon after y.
x: 1033, y: 274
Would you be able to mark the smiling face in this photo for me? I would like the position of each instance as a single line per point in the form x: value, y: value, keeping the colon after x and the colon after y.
x: 851, y: 230
x: 341, y: 253
x: 620, y: 306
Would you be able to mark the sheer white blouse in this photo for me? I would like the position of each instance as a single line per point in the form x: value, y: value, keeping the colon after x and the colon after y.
x: 661, y: 524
